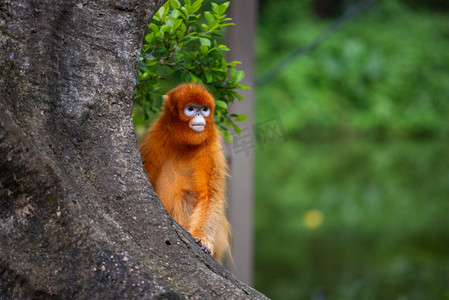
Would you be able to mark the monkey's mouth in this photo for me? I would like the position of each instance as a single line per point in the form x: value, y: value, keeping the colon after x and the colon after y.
x: 197, y: 127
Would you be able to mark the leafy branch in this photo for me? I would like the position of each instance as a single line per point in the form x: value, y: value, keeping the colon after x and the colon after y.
x: 184, y: 43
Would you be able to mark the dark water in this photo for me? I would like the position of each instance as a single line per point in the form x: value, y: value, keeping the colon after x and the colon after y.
x: 353, y: 220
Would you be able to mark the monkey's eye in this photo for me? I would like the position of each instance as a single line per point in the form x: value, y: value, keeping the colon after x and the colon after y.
x: 190, y: 110
x: 205, y: 111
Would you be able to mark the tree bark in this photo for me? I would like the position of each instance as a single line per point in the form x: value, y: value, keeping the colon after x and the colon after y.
x: 78, y: 216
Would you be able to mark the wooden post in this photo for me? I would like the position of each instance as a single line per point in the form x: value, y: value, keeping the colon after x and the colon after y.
x: 241, y: 151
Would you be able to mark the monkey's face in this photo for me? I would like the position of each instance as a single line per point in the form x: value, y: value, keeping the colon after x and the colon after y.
x: 189, y: 110
x: 198, y: 115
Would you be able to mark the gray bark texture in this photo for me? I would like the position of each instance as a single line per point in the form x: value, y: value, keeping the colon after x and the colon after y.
x: 78, y: 216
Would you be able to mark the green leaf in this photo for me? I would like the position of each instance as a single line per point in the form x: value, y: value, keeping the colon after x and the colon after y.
x: 149, y: 37
x: 144, y: 75
x: 227, y: 24
x: 237, y: 95
x: 223, y: 48
x: 205, y: 42
x: 213, y: 25
x: 237, y: 129
x: 194, y: 7
x: 239, y: 76
x: 177, y: 24
x: 175, y: 4
x: 221, y: 9
x: 195, y: 78
x: 208, y: 76
x: 160, y: 12
x: 185, y: 11
x: 241, y: 118
x: 181, y: 31
x: 221, y: 103
x: 224, y: 65
x: 209, y: 16
x: 150, y: 62
x: 176, y: 14
x: 242, y: 87
x: 170, y: 22
x: 204, y: 49
x: 154, y: 27
x: 234, y: 63
x: 165, y: 27
x: 227, y: 136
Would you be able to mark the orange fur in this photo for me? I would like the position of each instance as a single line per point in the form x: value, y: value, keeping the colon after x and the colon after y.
x: 188, y: 169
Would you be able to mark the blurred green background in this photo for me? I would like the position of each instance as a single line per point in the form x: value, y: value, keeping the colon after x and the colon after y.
x: 355, y: 204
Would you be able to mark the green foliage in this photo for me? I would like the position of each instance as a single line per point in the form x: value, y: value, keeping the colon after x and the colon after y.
x: 383, y: 234
x: 383, y: 75
x: 184, y: 43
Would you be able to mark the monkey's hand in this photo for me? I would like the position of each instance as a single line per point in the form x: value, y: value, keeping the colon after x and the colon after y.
x: 204, y: 245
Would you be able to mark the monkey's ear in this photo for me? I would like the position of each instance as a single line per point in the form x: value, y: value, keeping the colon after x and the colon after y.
x: 168, y: 103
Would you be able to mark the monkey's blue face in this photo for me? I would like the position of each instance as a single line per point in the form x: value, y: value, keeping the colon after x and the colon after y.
x: 197, y: 113
x: 192, y: 110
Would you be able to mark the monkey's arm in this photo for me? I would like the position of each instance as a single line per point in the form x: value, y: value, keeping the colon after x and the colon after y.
x: 205, y: 219
x: 210, y: 208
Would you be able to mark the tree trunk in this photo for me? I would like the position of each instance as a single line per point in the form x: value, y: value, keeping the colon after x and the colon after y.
x: 78, y: 216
